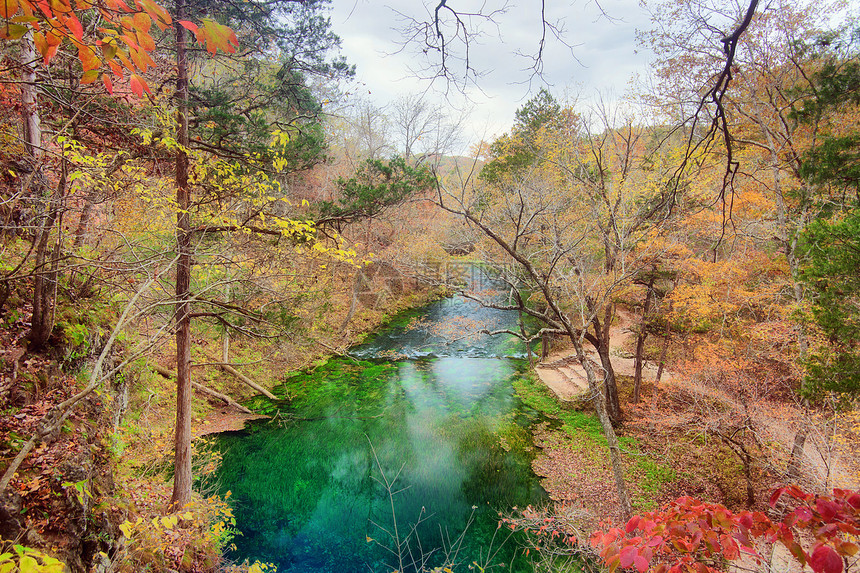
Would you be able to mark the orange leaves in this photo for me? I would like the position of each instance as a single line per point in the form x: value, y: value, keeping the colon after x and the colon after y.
x: 124, y: 42
x: 141, y: 22
x: 158, y: 14
x: 216, y: 36
x: 46, y: 44
x: 89, y: 59
x: 8, y: 8
x: 73, y: 24
x: 138, y: 86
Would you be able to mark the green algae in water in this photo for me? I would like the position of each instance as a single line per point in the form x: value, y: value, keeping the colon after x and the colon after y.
x: 308, y: 489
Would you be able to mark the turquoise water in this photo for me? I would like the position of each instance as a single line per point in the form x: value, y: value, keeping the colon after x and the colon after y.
x: 365, y: 457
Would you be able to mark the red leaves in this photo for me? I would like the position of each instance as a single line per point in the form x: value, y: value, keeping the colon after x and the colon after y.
x: 687, y: 534
x: 632, y: 524
x: 825, y: 560
x: 108, y: 83
x: 627, y: 555
x: 827, y: 509
x: 731, y: 551
x: 190, y: 26
x: 851, y: 497
x: 74, y: 25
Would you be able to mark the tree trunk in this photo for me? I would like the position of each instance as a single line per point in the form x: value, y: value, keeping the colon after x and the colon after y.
x: 601, y: 333
x: 640, y: 341
x: 41, y: 326
x: 528, y: 343
x: 544, y: 346
x: 182, y: 440
x: 40, y: 329
x: 46, y: 271
x: 83, y: 225
x: 29, y: 101
x: 599, y: 401
x: 613, y: 403
x: 665, y: 350
x: 796, y: 459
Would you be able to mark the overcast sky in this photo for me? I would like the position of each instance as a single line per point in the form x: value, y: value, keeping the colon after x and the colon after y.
x: 602, y: 57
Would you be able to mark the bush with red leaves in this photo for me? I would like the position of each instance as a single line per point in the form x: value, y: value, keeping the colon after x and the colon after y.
x: 689, y: 535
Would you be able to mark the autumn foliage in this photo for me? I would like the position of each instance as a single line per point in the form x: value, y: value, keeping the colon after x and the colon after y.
x: 688, y: 535
x: 121, y: 43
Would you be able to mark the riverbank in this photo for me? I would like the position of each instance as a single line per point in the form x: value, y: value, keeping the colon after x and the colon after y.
x: 690, y: 435
x: 145, y: 434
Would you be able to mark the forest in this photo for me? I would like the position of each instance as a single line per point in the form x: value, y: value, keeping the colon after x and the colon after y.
x: 203, y: 230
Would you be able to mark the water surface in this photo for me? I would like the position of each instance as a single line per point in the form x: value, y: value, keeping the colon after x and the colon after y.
x: 365, y: 455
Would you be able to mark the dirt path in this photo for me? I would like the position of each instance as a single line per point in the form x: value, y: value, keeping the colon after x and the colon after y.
x: 822, y: 463
x: 565, y: 376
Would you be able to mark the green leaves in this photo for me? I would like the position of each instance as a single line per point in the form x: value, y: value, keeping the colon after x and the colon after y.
x: 831, y: 249
x: 29, y: 561
x: 375, y: 186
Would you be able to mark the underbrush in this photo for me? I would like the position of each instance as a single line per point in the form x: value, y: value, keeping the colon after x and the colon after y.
x: 659, y: 465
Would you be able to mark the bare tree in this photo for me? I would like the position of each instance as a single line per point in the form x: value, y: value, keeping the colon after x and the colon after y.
x: 370, y: 133
x: 543, y: 235
x: 424, y: 129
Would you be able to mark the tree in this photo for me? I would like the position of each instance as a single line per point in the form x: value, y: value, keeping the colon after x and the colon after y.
x: 832, y: 257
x: 513, y: 154
x: 563, y: 229
x: 123, y: 43
x: 538, y: 215
x: 375, y: 186
x: 302, y: 38
x: 239, y: 100
x: 831, y: 243
x: 424, y: 129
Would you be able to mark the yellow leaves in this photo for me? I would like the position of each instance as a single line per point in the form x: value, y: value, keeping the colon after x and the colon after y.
x: 259, y: 567
x: 29, y: 561
x: 127, y: 527
x: 168, y: 522
x: 280, y: 138
x: 216, y: 37
x: 163, y: 523
x: 109, y: 49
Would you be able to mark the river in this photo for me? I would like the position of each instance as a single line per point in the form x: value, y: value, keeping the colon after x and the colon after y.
x: 419, y: 442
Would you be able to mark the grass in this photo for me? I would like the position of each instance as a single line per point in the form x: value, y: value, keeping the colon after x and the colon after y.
x: 647, y: 477
x: 579, y: 426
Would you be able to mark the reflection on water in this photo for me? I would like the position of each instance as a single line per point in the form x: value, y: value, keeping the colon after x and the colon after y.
x: 309, y: 489
x: 448, y: 328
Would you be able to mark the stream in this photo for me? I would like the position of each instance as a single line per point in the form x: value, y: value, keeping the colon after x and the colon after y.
x: 418, y: 442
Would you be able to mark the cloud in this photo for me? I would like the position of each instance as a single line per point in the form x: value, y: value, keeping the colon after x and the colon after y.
x: 601, y: 56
